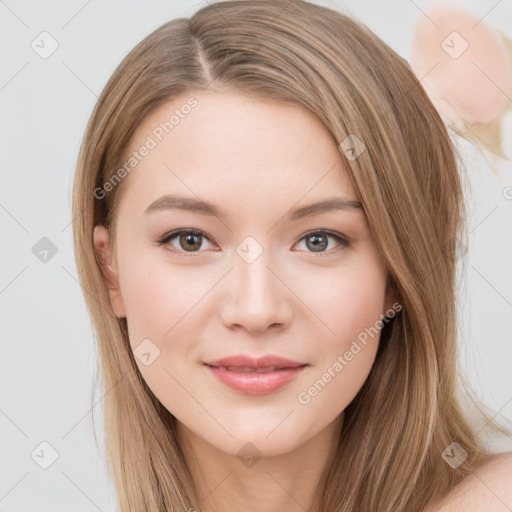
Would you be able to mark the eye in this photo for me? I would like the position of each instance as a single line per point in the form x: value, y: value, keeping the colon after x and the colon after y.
x: 191, y: 241
x: 318, y: 241
x: 186, y: 239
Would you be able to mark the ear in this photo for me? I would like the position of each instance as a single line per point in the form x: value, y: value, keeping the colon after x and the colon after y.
x: 109, y: 270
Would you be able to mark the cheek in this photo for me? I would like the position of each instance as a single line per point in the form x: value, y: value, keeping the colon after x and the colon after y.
x: 347, y: 301
x: 158, y: 295
x: 163, y: 318
x: 353, y: 310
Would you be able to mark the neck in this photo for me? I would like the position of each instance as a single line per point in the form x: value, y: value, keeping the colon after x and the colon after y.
x: 247, y: 480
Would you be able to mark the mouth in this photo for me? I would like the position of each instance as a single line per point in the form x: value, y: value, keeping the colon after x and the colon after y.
x: 255, y: 381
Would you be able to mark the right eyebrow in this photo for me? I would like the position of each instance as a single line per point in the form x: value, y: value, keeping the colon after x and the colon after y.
x: 174, y: 202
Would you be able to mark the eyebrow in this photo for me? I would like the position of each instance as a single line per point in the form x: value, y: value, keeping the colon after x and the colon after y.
x: 175, y: 202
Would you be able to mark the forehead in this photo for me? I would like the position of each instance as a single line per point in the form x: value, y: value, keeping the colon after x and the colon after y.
x: 231, y: 148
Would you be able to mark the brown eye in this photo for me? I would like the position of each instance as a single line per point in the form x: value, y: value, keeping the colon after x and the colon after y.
x: 188, y: 241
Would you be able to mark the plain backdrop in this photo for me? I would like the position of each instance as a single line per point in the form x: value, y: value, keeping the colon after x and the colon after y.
x: 48, y: 355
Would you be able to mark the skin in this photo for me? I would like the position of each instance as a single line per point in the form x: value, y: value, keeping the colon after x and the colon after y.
x: 257, y: 160
x: 487, y: 488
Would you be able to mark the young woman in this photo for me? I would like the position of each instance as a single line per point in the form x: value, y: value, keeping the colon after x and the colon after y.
x: 267, y: 218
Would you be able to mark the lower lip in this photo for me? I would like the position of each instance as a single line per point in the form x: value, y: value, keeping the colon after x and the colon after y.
x: 252, y: 383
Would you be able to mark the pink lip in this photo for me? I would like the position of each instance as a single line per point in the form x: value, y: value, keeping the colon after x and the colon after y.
x: 253, y: 382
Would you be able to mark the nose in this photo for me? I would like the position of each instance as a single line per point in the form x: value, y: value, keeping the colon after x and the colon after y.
x: 257, y: 297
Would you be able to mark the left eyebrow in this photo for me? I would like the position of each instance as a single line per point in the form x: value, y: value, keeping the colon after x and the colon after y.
x: 335, y: 203
x: 175, y: 202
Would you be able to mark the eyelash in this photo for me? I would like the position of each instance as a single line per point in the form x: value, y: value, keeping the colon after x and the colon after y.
x: 173, y: 234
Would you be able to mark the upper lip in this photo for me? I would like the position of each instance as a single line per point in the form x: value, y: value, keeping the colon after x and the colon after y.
x: 244, y: 361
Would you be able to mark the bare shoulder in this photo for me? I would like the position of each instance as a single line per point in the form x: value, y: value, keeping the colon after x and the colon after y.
x: 488, y: 488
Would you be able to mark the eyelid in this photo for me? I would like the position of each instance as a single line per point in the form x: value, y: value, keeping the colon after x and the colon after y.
x: 342, y: 239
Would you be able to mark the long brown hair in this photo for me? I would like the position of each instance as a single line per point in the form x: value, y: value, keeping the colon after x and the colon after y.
x: 389, y: 454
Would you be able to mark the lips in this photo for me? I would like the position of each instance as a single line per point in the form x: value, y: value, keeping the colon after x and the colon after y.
x: 255, y: 376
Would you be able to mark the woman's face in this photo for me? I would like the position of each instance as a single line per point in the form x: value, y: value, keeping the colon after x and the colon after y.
x: 261, y: 277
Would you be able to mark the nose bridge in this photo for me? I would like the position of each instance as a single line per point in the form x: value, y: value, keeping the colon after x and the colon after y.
x: 256, y: 282
x: 260, y: 299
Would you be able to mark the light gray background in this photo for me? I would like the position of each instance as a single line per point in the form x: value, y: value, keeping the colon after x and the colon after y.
x: 48, y: 354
